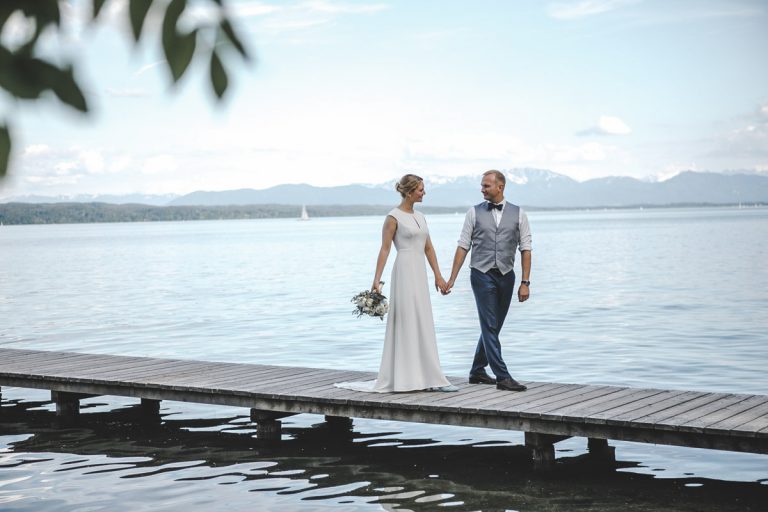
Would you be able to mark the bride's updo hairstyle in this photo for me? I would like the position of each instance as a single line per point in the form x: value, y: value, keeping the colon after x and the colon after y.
x: 408, y: 184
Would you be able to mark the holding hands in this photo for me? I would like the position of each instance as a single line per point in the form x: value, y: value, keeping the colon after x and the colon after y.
x: 441, y: 285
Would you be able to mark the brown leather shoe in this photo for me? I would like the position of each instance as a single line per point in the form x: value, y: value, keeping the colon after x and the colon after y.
x: 510, y: 384
x: 481, y: 378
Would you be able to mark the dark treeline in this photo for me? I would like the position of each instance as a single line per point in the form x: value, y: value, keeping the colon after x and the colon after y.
x: 72, y: 213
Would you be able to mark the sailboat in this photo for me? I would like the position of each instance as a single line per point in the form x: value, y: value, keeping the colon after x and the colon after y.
x: 304, y: 215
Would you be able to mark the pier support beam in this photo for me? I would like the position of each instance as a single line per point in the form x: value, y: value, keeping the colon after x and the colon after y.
x: 601, y: 451
x: 150, y: 409
x: 542, y: 448
x: 67, y: 407
x: 268, y: 424
x: 339, y: 427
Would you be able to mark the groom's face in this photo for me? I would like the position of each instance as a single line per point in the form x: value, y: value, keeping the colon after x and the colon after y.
x: 491, y: 189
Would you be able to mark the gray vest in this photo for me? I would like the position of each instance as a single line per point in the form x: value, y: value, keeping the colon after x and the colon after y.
x: 492, y: 246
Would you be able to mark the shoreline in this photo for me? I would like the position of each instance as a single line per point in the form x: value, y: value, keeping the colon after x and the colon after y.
x: 91, y: 213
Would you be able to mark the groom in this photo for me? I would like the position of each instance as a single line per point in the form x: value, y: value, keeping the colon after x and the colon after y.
x: 493, y: 230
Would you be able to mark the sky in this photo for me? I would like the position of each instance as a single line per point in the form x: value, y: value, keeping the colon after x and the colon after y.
x: 364, y: 91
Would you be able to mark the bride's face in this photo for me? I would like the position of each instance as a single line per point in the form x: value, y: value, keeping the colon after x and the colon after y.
x: 418, y: 194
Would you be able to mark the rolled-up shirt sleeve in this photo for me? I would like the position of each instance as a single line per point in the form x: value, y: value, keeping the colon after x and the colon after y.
x: 465, y: 239
x: 525, y: 232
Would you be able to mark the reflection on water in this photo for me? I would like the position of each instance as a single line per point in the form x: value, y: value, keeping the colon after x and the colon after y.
x: 117, y: 461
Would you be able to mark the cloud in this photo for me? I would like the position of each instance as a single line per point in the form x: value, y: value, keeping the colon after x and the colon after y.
x: 342, y: 8
x: 584, y: 8
x: 309, y: 14
x: 590, y: 152
x: 126, y: 93
x: 36, y: 149
x: 159, y: 164
x: 747, y: 141
x: 149, y: 66
x: 45, y: 166
x: 607, y: 125
x: 253, y: 9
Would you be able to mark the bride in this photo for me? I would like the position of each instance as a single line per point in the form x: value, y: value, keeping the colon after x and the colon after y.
x: 410, y: 361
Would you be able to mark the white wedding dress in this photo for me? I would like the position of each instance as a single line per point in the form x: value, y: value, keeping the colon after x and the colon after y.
x: 410, y: 360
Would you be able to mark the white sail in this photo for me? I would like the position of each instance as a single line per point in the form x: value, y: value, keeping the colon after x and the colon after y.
x: 304, y: 215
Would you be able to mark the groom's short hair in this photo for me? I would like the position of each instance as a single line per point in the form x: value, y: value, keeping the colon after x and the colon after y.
x: 500, y: 178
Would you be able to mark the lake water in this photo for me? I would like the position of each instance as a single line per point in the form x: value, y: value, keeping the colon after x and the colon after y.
x: 670, y: 298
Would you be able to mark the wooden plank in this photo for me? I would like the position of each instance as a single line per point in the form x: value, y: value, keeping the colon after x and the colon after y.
x: 721, y: 410
x: 326, y: 383
x: 595, y: 395
x: 495, y: 396
x: 164, y: 371
x: 570, y: 395
x: 498, y: 401
x: 87, y: 366
x: 478, y: 393
x: 284, y: 387
x: 21, y: 356
x: 267, y: 385
x: 33, y: 362
x: 451, y: 401
x: 639, y: 400
x: 683, y: 419
x: 757, y: 427
x: 95, y: 359
x: 758, y: 413
x: 206, y: 376
x: 490, y: 404
x: 136, y: 374
x: 630, y: 398
x: 623, y: 415
x: 281, y: 382
x: 659, y: 417
x: 578, y: 410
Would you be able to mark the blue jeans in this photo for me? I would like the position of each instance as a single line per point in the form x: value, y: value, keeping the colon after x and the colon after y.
x: 493, y: 295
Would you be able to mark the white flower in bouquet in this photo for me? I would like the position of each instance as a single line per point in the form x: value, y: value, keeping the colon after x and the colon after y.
x: 370, y: 303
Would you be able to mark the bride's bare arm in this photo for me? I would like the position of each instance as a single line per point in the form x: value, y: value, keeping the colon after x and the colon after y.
x: 429, y: 251
x: 387, y: 234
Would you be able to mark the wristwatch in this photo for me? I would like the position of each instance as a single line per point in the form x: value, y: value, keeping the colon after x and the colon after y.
x: 526, y: 283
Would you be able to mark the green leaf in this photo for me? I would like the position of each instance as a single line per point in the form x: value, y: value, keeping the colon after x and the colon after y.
x: 219, y: 78
x: 181, y: 54
x: 28, y: 77
x: 138, y: 12
x: 45, y: 12
x: 5, y: 149
x: 97, y: 5
x: 21, y: 74
x: 179, y: 48
x: 226, y: 26
x: 67, y: 90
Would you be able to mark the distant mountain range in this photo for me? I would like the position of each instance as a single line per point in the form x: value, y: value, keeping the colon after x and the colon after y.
x: 152, y: 200
x: 527, y: 187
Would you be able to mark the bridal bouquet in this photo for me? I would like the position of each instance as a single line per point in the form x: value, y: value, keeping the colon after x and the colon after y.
x: 371, y: 304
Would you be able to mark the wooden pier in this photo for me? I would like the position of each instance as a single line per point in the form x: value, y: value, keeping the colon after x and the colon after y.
x: 546, y: 412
